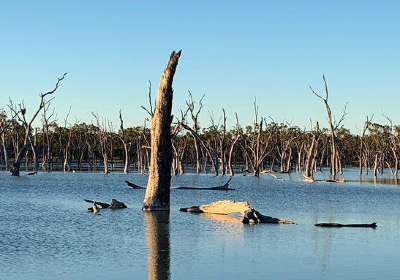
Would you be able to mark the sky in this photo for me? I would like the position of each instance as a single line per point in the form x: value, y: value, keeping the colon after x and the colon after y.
x: 232, y: 52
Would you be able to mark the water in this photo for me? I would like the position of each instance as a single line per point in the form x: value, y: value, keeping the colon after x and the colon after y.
x: 47, y: 233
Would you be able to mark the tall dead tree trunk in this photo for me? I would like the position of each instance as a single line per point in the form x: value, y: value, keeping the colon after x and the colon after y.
x: 332, y: 127
x: 159, y: 184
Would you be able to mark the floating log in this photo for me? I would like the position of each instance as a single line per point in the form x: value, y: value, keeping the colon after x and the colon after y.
x: 101, y: 204
x: 373, y: 225
x: 224, y: 187
x: 225, y: 207
x: 134, y: 186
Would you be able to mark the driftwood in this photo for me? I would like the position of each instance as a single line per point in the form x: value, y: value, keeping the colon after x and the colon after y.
x: 115, y: 204
x: 373, y: 225
x: 134, y: 186
x: 224, y: 187
x: 225, y: 207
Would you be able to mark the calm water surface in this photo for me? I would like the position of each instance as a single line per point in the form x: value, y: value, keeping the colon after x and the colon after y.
x: 47, y: 233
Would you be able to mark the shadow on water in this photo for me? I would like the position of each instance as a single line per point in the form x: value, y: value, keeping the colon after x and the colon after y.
x: 158, y: 242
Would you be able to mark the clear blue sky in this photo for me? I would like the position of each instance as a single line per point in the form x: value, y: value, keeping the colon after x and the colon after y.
x: 233, y: 51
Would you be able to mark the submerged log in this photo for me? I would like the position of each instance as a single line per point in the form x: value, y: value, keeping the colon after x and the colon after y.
x: 373, y: 225
x: 134, y: 186
x: 225, y: 207
x: 101, y: 204
x: 224, y: 187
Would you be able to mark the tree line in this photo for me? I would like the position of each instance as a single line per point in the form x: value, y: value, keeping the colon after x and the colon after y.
x: 266, y: 145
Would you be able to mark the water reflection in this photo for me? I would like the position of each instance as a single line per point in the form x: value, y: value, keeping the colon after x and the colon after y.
x: 157, y: 233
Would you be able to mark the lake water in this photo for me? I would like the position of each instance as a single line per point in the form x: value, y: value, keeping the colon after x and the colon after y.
x: 47, y: 233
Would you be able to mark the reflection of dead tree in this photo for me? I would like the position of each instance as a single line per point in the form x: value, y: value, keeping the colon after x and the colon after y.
x: 21, y: 115
x: 334, y: 158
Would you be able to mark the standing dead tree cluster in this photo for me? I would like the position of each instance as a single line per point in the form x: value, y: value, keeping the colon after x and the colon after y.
x: 20, y: 113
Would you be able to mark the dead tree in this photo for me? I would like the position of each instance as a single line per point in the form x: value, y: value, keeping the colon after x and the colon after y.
x: 233, y: 144
x: 196, y: 128
x: 312, y: 152
x: 158, y: 186
x: 47, y: 134
x: 363, y: 156
x: 334, y: 158
x: 20, y: 112
x: 64, y: 139
x: 394, y: 147
x: 259, y: 144
x: 102, y: 137
x: 125, y: 143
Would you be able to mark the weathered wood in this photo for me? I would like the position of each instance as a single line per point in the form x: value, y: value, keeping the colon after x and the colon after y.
x: 373, y: 225
x: 157, y: 196
x: 225, y: 207
x: 134, y: 186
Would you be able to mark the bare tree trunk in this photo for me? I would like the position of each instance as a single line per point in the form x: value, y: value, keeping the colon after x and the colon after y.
x: 159, y: 185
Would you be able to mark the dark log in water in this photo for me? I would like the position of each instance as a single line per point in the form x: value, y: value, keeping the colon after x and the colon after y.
x: 225, y: 207
x: 373, y: 225
x: 134, y: 186
x: 101, y: 204
x: 224, y: 187
x: 255, y: 217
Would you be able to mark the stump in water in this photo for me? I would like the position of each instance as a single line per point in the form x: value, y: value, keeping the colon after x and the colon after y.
x: 225, y: 207
x: 158, y: 187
